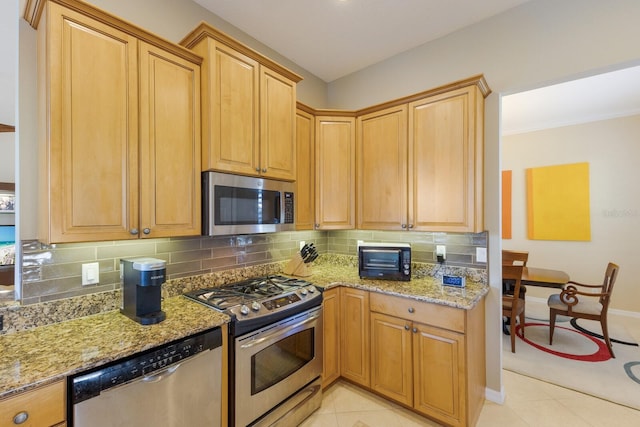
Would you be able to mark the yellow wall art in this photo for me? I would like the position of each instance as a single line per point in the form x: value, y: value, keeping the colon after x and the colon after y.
x: 558, y: 205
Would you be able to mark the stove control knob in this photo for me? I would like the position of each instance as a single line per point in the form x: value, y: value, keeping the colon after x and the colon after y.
x: 255, y: 306
x: 244, y: 309
x: 303, y: 291
x: 311, y: 289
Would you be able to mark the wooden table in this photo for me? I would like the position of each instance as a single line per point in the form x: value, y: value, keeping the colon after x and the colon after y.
x: 532, y: 276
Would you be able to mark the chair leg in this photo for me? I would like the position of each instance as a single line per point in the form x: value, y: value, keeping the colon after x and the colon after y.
x: 605, y: 333
x: 513, y: 334
x: 552, y: 325
x: 522, y: 322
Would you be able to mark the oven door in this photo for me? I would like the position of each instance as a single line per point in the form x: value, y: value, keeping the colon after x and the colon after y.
x: 276, y: 361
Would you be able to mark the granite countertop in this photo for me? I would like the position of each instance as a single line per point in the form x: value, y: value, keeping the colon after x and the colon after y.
x: 45, y: 354
x: 421, y: 287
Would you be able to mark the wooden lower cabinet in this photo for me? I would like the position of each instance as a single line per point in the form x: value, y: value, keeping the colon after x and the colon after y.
x: 436, y: 370
x: 331, y: 336
x: 354, y: 335
x: 43, y: 406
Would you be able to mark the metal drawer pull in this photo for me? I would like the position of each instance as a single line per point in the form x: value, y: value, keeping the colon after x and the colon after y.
x: 406, y: 327
x: 21, y: 417
x: 415, y: 330
x: 411, y: 310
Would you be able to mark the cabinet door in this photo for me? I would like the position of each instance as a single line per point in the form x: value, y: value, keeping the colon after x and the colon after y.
x: 277, y: 126
x: 438, y: 365
x: 331, y: 336
x: 391, y: 357
x: 335, y: 173
x: 169, y: 144
x: 230, y: 98
x: 382, y: 169
x: 305, y: 181
x: 90, y: 138
x: 445, y: 169
x: 354, y: 338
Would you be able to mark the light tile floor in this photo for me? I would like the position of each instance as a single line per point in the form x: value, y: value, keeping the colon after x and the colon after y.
x: 529, y: 402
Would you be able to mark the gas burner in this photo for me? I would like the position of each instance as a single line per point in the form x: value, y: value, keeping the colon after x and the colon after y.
x: 250, y: 296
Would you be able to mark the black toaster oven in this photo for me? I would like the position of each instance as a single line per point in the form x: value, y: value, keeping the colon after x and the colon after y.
x: 386, y: 261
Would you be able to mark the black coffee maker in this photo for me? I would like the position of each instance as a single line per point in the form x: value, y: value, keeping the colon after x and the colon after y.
x: 142, y: 280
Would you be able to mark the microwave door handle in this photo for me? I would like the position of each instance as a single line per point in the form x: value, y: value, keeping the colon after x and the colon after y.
x: 279, y: 331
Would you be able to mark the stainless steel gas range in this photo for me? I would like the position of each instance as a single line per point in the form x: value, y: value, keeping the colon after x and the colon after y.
x: 275, y: 348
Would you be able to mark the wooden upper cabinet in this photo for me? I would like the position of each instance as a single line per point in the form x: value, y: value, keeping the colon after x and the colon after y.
x: 249, y: 108
x: 305, y: 181
x: 335, y: 172
x: 382, y: 169
x: 170, y: 199
x: 446, y: 162
x: 277, y: 125
x: 115, y: 113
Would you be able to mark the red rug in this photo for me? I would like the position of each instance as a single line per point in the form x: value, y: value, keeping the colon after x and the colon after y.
x: 578, y: 359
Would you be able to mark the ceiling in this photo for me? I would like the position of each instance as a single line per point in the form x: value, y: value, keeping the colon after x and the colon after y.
x: 333, y: 38
x: 599, y: 97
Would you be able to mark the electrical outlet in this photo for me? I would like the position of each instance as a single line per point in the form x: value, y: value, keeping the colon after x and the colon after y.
x: 90, y: 273
x: 441, y: 251
x: 481, y: 255
x: 302, y: 243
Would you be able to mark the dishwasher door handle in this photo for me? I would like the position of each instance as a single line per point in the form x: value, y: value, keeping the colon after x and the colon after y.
x: 160, y: 375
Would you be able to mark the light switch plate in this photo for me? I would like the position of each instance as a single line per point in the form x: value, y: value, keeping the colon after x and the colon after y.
x: 90, y: 273
x: 481, y: 255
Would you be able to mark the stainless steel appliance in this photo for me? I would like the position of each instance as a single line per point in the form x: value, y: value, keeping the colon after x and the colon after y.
x: 234, y: 204
x: 387, y: 261
x: 175, y: 385
x: 142, y: 280
x: 275, y: 351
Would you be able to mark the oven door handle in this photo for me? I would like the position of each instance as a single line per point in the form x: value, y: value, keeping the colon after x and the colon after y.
x: 279, y: 331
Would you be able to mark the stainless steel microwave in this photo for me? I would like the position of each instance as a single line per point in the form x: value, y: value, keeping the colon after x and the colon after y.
x: 235, y: 204
x: 387, y: 261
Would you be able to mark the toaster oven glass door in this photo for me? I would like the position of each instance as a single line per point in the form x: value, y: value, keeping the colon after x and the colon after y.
x: 382, y: 259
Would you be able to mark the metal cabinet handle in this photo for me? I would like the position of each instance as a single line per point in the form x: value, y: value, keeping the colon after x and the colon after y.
x: 410, y: 225
x: 146, y: 231
x: 134, y: 231
x: 411, y: 310
x: 258, y: 169
x: 316, y: 225
x: 404, y: 225
x: 21, y: 417
x: 406, y: 327
x: 415, y: 330
x: 264, y: 170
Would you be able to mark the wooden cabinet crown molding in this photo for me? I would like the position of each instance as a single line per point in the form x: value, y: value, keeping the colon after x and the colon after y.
x: 205, y: 30
x: 478, y: 81
x: 34, y: 8
x: 7, y: 128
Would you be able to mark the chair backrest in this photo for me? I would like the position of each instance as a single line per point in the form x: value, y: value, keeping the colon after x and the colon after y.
x: 513, y: 273
x: 515, y: 258
x: 610, y: 276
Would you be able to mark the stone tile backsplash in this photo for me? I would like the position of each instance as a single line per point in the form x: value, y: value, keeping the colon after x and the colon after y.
x: 52, y: 272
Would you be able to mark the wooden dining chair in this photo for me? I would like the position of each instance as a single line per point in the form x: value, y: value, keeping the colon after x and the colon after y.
x: 582, y: 301
x: 514, y: 257
x: 513, y: 305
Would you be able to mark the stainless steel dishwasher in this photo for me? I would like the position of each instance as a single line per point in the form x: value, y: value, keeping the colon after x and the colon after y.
x: 178, y: 384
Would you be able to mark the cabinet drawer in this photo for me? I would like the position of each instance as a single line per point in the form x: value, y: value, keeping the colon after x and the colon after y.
x: 437, y: 315
x: 44, y: 406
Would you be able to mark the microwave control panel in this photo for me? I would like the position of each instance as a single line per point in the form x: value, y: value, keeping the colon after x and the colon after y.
x: 288, y: 208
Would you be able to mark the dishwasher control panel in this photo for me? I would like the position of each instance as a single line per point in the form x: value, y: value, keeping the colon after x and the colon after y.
x: 142, y: 365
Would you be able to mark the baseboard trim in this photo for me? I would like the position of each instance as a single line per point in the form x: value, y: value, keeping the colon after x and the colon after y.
x: 494, y: 395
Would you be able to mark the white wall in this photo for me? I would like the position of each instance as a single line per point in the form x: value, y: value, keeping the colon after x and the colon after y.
x: 612, y: 150
x: 8, y: 72
x: 538, y: 43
